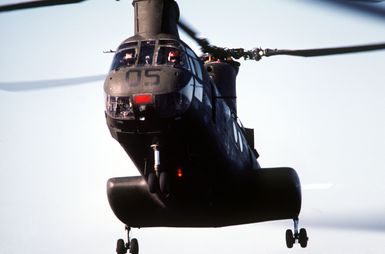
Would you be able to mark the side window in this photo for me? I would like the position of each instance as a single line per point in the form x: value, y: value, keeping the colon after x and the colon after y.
x: 198, y: 69
x: 190, y: 53
x: 195, y: 64
x: 192, y: 65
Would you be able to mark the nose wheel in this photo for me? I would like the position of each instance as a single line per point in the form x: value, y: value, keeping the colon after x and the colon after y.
x: 300, y: 236
x: 158, y: 179
x: 132, y: 245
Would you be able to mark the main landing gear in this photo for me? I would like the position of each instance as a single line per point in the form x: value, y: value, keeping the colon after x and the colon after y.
x: 132, y: 245
x: 300, y: 235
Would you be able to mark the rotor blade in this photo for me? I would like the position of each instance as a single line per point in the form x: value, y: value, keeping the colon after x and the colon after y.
x: 202, y: 42
x: 44, y: 84
x: 370, y: 8
x: 256, y: 54
x: 188, y: 30
x: 35, y: 4
x: 324, y: 51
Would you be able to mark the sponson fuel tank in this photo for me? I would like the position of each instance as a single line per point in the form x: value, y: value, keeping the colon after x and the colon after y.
x: 267, y: 194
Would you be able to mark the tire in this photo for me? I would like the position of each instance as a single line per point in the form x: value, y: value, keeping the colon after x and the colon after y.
x: 121, y: 247
x: 164, y: 183
x: 303, y: 238
x: 289, y: 238
x: 134, y: 246
x: 152, y: 182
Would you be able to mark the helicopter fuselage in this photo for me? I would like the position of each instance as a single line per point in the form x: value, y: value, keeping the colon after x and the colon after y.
x: 175, y: 106
x: 183, y: 135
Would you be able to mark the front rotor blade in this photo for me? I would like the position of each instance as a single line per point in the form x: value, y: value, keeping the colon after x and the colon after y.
x: 371, y: 8
x: 44, y: 84
x: 202, y: 42
x: 188, y: 30
x: 35, y: 4
x: 324, y: 51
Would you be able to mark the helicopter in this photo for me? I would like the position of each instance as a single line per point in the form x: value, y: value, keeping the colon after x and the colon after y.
x: 139, y: 107
x: 175, y: 114
x: 176, y: 119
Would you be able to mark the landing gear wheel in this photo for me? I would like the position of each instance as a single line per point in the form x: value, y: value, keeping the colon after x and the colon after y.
x: 302, y: 238
x: 134, y: 246
x: 164, y: 183
x: 121, y: 247
x: 300, y: 235
x: 290, y: 240
x: 152, y: 181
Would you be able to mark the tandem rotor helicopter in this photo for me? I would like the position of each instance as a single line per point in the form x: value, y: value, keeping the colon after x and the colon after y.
x: 175, y: 114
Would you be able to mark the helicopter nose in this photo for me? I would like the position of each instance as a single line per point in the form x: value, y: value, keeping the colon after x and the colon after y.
x: 146, y: 113
x: 146, y: 80
x: 129, y: 96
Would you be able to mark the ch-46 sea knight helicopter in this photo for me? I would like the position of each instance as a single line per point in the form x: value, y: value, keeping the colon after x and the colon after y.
x: 175, y: 115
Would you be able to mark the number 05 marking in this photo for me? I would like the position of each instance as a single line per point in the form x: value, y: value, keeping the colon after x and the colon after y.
x: 151, y: 77
x: 154, y: 77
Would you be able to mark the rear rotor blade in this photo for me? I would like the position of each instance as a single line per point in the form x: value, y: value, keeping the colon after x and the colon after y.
x: 258, y: 53
x: 35, y: 4
x: 371, y: 8
x: 323, y: 51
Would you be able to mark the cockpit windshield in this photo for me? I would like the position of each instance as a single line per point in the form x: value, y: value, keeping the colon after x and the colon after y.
x: 150, y: 52
x: 146, y: 52
x: 124, y: 58
x: 171, y: 56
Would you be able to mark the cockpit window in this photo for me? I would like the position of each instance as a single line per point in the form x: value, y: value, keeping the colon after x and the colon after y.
x: 169, y: 43
x: 171, y: 52
x: 171, y: 56
x: 149, y: 52
x: 128, y: 57
x: 131, y: 44
x: 124, y: 58
x: 146, y: 54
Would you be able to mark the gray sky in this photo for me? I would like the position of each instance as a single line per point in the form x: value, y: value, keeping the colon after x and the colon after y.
x: 322, y: 116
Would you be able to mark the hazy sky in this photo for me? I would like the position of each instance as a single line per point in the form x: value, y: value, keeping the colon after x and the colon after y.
x: 324, y: 116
